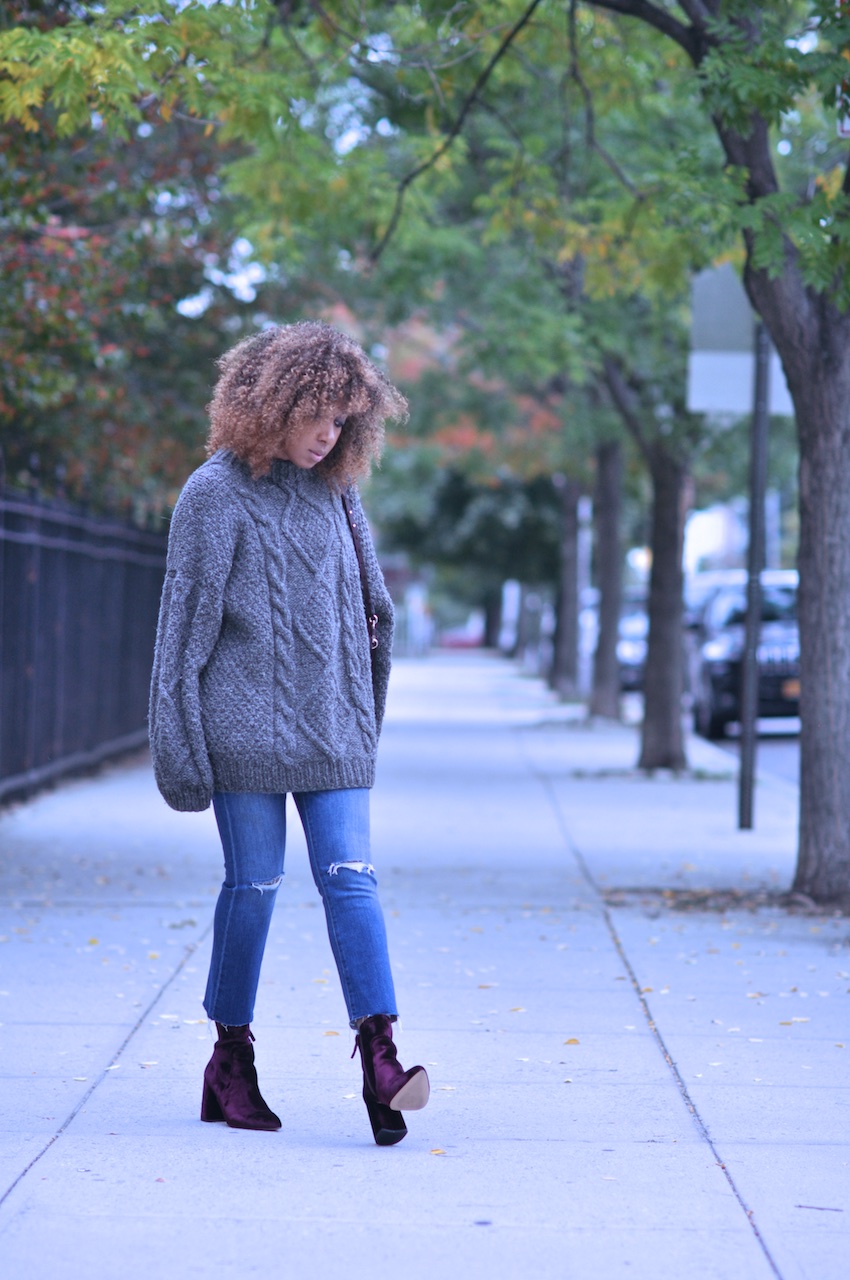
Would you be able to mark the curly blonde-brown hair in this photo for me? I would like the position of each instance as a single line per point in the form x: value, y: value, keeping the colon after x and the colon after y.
x: 272, y: 384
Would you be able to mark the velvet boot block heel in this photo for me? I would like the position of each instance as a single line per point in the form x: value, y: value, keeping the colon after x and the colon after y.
x: 387, y: 1088
x: 231, y: 1092
x: 388, y: 1126
x: 210, y: 1110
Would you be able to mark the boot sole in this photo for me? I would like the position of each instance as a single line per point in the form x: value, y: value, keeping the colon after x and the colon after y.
x: 414, y: 1095
x: 262, y: 1126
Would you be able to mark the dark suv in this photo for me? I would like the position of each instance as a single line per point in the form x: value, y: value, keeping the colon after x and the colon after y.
x: 717, y: 649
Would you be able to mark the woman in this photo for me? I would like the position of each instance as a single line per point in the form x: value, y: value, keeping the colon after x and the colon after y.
x: 264, y: 684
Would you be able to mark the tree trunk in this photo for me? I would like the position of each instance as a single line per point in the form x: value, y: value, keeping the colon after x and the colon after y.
x: 813, y: 340
x: 564, y: 674
x: 818, y: 373
x: 492, y: 617
x: 522, y: 628
x: 607, y: 506
x: 662, y: 745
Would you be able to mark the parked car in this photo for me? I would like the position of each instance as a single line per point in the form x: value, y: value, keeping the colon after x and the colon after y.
x: 716, y: 652
x: 631, y: 648
x: 701, y: 587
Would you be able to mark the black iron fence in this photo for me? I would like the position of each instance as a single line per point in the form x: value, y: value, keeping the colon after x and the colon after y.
x: 78, y: 603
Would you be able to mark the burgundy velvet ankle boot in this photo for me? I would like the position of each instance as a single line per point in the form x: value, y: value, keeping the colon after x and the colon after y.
x: 387, y: 1087
x: 231, y: 1091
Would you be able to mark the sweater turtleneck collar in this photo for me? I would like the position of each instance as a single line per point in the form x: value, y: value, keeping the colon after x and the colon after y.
x: 283, y: 473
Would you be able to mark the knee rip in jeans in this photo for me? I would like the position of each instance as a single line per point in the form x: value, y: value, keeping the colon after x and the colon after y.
x: 262, y: 885
x: 359, y: 867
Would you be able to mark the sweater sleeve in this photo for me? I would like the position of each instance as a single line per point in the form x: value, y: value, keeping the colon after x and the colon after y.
x: 200, y: 552
x: 381, y: 602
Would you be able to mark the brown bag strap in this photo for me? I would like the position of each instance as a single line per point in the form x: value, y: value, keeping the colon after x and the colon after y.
x: 371, y: 616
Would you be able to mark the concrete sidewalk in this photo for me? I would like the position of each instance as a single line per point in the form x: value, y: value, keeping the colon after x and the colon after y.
x: 635, y: 1072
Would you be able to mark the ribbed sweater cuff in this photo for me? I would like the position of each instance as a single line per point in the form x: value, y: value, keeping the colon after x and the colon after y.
x: 188, y: 799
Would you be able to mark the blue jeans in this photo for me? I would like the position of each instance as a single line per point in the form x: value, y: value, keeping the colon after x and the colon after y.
x: 252, y: 826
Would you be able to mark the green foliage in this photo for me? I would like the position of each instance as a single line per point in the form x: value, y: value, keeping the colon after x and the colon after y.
x: 558, y: 225
x: 507, y: 528
x: 766, y: 57
x: 102, y: 380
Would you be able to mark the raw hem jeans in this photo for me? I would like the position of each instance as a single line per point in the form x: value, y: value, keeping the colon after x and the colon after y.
x: 253, y: 835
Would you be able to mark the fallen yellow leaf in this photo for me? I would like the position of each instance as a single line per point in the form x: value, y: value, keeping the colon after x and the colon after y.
x: 437, y: 1151
x: 572, y: 1040
x: 330, y: 1033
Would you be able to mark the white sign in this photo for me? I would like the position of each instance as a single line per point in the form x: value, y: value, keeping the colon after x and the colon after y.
x: 722, y: 382
x: 721, y: 364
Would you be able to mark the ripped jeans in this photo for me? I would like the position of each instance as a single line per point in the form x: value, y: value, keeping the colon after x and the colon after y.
x: 252, y: 826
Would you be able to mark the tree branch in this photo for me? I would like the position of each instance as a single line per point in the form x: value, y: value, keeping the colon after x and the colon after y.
x: 700, y: 12
x: 625, y: 401
x: 453, y: 132
x: 693, y: 40
x: 589, y: 113
x: 750, y: 151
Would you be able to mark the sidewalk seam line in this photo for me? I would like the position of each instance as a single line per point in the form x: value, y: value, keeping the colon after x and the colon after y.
x: 583, y: 867
x: 190, y: 951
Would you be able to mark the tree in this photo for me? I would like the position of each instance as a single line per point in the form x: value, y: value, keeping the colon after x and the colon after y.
x: 465, y: 486
x: 759, y: 72
x: 125, y: 274
x: 762, y: 72
x: 758, y: 69
x: 352, y: 121
x: 543, y: 189
x: 101, y: 241
x: 607, y: 511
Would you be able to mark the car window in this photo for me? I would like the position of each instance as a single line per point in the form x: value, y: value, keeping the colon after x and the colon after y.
x: 729, y: 608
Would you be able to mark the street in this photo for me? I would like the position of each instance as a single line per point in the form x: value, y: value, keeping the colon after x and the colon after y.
x: 777, y: 750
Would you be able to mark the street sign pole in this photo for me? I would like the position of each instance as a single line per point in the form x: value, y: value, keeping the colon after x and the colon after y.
x: 755, y: 564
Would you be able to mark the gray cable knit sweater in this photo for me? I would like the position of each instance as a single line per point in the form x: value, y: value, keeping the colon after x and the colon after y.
x: 262, y: 675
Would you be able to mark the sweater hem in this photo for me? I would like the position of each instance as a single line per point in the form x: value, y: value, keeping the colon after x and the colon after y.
x: 337, y: 775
